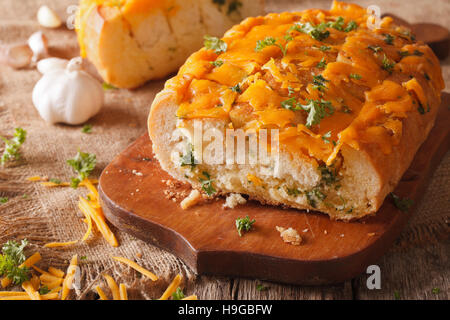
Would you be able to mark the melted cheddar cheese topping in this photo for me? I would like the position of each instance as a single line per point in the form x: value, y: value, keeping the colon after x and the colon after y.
x: 323, y: 78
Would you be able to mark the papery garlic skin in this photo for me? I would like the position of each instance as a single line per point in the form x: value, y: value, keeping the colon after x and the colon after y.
x: 68, y: 95
x: 16, y: 56
x: 48, y: 18
x: 38, y: 43
x: 50, y: 64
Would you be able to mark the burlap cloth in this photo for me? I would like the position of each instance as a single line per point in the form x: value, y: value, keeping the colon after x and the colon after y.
x: 46, y: 215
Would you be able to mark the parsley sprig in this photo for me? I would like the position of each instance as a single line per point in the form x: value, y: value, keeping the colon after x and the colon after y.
x: 268, y: 42
x: 207, y: 184
x: 83, y: 164
x: 216, y: 44
x: 11, y: 258
x: 178, y: 294
x: 317, y: 109
x: 403, y: 204
x: 244, y: 224
x: 12, y: 146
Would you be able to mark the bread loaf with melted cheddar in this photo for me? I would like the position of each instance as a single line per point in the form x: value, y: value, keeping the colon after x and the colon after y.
x: 133, y: 41
x: 353, y: 101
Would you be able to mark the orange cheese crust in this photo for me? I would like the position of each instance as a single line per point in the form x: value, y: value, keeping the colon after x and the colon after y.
x: 328, y: 81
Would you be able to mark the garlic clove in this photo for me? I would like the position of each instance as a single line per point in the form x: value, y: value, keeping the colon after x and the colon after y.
x: 38, y: 43
x: 50, y: 64
x: 48, y: 18
x: 16, y: 55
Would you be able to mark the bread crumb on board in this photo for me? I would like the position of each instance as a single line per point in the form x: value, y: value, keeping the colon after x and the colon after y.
x: 289, y: 235
x: 191, y: 200
x: 233, y: 200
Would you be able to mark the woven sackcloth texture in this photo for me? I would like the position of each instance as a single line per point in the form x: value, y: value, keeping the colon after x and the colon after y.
x: 51, y: 214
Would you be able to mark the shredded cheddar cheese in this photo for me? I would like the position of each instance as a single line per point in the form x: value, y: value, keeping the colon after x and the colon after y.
x: 68, y: 280
x: 171, y: 288
x: 137, y: 267
x: 123, y: 292
x: 101, y: 293
x: 113, y: 286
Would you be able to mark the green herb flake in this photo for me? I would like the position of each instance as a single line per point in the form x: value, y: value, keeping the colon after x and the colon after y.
x: 87, y: 128
x: 293, y: 192
x: 207, y: 184
x: 236, y: 88
x: 389, y: 39
x: 396, y: 295
x: 317, y: 32
x: 12, y: 146
x: 352, y: 25
x: 178, y: 294
x: 216, y: 44
x: 414, y: 53
x: 322, y: 64
x: 44, y: 290
x: 435, y: 290
x: 355, y: 76
x: 244, y: 225
x: 387, y: 64
x: 217, y: 63
x: 268, y: 42
x: 4, y: 199
x: 106, y: 86
x: 326, y: 137
x: 188, y: 159
x: 314, y: 195
x: 402, y: 204
x: 324, y: 48
x: 375, y: 49
x: 83, y: 164
x: 55, y: 181
x: 317, y: 110
x: 11, y: 258
x: 319, y: 83
x: 261, y: 287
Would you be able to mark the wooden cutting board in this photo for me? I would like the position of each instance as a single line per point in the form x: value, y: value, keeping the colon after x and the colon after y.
x: 134, y: 193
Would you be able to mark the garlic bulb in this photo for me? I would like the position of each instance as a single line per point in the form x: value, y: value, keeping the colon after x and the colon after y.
x: 15, y: 55
x: 68, y: 95
x: 48, y: 18
x: 39, y: 45
x: 50, y: 64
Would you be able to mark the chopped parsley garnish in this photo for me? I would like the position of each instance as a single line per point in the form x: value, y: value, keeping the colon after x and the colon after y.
x: 216, y: 44
x: 44, y: 290
x: 55, y: 181
x: 188, y: 159
x: 387, y: 64
x: 351, y: 26
x: 236, y: 88
x: 414, y: 53
x: 313, y: 196
x: 346, y: 109
x: 329, y: 174
x: 268, y: 42
x: 422, y: 110
x: 12, y: 147
x: 319, y: 82
x: 317, y: 110
x: 355, y: 76
x: 207, y: 184
x: 291, y: 91
x: 318, y: 32
x: 244, y: 224
x: 402, y: 204
x: 436, y: 290
x: 324, y: 48
x: 396, y: 295
x: 326, y: 137
x: 338, y: 24
x: 389, y: 39
x: 107, y: 86
x: 217, y: 63
x: 87, y: 128
x: 178, y: 294
x: 260, y: 287
x: 11, y: 258
x: 83, y: 164
x: 322, y: 64
x: 375, y: 49
x: 293, y: 192
x: 4, y: 199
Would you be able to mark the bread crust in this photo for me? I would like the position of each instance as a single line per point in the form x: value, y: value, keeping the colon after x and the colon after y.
x: 368, y: 171
x: 127, y: 54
